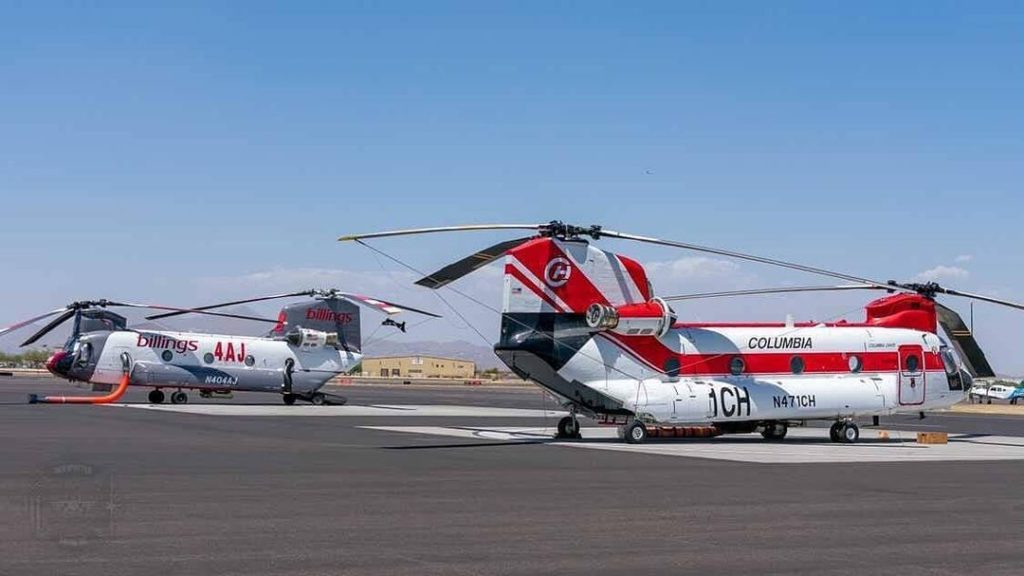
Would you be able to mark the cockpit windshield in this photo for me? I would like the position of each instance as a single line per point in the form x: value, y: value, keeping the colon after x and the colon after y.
x: 948, y: 360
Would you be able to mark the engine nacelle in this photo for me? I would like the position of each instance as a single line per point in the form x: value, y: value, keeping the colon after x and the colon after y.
x: 652, y: 318
x: 305, y: 338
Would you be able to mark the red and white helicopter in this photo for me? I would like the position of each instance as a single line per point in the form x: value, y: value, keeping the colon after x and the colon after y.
x: 311, y: 342
x: 585, y: 324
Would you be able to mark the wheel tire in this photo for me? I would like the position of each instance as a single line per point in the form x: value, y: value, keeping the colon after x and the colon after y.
x: 636, y: 433
x: 833, y: 432
x: 318, y: 399
x: 156, y: 396
x: 775, y: 431
x: 850, y: 433
x: 179, y: 397
x: 289, y: 399
x: 568, y: 427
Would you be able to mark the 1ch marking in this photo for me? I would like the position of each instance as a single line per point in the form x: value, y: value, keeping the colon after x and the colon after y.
x: 730, y: 401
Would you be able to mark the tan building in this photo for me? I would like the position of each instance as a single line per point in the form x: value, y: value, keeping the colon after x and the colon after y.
x: 418, y: 367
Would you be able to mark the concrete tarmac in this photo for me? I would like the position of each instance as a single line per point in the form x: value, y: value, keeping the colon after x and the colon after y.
x: 120, y: 490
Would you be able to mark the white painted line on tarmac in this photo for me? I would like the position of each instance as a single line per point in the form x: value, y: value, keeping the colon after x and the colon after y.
x: 809, y: 445
x: 388, y: 410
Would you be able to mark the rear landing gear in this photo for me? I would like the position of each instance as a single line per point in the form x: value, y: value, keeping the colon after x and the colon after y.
x: 846, y: 432
x: 156, y: 396
x: 636, y: 433
x: 179, y: 397
x: 569, y: 427
x: 318, y: 399
x: 289, y: 399
x: 774, y: 431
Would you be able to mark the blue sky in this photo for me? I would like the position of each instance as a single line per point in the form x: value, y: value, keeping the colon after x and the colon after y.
x: 189, y: 151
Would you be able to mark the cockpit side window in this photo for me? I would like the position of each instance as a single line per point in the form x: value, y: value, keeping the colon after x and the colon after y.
x: 948, y: 361
x: 84, y: 354
x: 954, y: 376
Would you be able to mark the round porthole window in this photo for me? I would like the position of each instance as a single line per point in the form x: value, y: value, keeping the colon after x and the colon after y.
x: 167, y: 355
x: 672, y: 367
x: 796, y: 364
x: 208, y: 358
x: 250, y: 361
x: 737, y: 365
x: 913, y: 363
x: 855, y: 364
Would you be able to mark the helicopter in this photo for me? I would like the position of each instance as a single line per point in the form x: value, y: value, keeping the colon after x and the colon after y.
x: 310, y: 343
x: 586, y: 325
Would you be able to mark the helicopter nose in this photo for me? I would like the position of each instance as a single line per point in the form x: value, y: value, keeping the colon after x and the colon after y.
x: 53, y: 364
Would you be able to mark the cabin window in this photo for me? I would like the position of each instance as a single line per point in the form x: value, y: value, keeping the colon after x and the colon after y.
x: 796, y: 364
x: 250, y: 361
x: 737, y: 365
x: 167, y: 355
x: 208, y: 358
x: 856, y: 364
x: 672, y: 367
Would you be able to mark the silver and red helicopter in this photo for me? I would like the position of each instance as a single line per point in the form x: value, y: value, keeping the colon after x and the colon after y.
x: 310, y: 343
x: 585, y: 324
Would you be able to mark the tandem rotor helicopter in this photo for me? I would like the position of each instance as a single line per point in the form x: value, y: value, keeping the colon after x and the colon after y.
x: 585, y: 324
x: 310, y: 343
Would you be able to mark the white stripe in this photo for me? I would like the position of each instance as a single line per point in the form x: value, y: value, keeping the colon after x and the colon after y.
x: 538, y: 284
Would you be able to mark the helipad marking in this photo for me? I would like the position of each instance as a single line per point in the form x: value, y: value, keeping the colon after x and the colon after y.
x: 389, y: 410
x: 809, y: 445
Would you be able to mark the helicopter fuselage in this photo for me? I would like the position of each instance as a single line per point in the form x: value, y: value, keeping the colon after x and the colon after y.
x: 213, y: 362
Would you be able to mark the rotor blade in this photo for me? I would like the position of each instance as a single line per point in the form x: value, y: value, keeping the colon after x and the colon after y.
x: 68, y: 313
x: 384, y: 306
x: 456, y: 270
x: 759, y: 291
x: 982, y: 297
x: 964, y: 343
x: 750, y: 258
x: 232, y: 303
x: 192, y: 311
x: 24, y: 323
x: 462, y: 228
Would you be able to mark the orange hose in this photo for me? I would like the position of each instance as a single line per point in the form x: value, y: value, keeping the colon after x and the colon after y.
x: 122, y: 386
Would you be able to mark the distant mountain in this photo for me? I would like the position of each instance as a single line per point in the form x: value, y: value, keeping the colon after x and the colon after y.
x: 482, y: 355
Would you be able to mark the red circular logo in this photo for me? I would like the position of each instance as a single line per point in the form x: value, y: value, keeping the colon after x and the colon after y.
x: 557, y: 272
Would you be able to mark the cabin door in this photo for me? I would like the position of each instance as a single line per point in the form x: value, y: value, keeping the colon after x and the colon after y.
x: 911, y: 375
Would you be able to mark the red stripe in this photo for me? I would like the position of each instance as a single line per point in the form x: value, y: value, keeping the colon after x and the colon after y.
x: 518, y: 275
x: 652, y: 353
x: 578, y: 293
x: 636, y: 272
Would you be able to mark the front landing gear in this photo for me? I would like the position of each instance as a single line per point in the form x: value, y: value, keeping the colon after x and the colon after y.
x: 156, y: 396
x: 844, y: 431
x: 569, y: 428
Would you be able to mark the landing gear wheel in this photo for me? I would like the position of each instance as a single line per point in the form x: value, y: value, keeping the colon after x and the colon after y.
x: 569, y: 427
x: 850, y: 433
x: 318, y: 399
x: 156, y: 397
x: 289, y: 399
x: 833, y: 432
x: 179, y: 397
x: 775, y: 431
x: 636, y: 433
